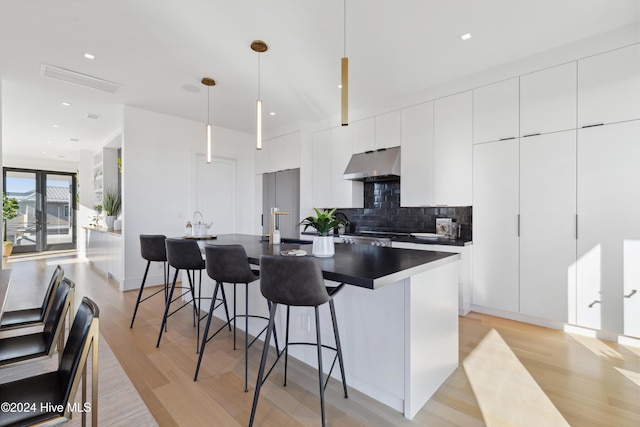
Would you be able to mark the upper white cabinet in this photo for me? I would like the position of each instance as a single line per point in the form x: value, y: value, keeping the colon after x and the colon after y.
x: 609, y: 87
x: 387, y: 130
x: 495, y: 111
x: 321, y: 172
x: 279, y: 153
x: 548, y: 100
x: 608, y: 225
x: 453, y: 155
x: 363, y: 135
x: 416, y: 185
x: 548, y: 225
x: 331, y: 150
x: 344, y: 193
x: 495, y: 225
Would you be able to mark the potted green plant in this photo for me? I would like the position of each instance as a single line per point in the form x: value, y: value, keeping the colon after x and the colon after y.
x: 10, y: 207
x: 111, y: 204
x: 324, y: 222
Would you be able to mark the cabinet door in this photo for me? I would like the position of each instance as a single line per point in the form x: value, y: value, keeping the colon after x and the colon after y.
x: 344, y: 193
x: 495, y: 225
x: 496, y: 111
x: 416, y: 156
x: 609, y: 87
x: 363, y: 135
x: 548, y: 100
x: 547, y: 225
x: 608, y: 222
x: 453, y: 150
x: 321, y: 173
x: 387, y: 130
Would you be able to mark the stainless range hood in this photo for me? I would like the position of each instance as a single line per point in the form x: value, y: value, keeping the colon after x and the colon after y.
x: 383, y: 164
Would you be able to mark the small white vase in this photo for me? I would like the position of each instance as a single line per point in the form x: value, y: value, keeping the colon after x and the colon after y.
x: 323, y: 246
x: 117, y: 225
x: 108, y: 221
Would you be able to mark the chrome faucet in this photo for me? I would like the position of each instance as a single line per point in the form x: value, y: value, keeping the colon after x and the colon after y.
x: 272, y: 222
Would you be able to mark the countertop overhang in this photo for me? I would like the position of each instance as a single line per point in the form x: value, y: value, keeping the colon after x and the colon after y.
x: 365, y: 266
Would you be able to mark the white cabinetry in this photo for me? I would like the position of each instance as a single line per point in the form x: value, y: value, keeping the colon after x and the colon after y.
x: 609, y: 87
x: 104, y: 251
x: 321, y: 174
x: 416, y: 185
x: 331, y: 153
x: 279, y: 154
x: 387, y: 130
x: 363, y: 135
x: 495, y: 225
x: 453, y: 150
x: 548, y: 100
x: 548, y: 224
x: 608, y: 225
x: 496, y: 112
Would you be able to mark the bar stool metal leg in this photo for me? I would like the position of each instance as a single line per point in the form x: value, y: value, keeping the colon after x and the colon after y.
x: 263, y: 362
x: 320, y: 370
x: 167, y: 306
x: 144, y: 279
x: 338, y: 346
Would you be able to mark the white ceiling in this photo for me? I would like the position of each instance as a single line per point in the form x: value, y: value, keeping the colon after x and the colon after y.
x: 160, y: 50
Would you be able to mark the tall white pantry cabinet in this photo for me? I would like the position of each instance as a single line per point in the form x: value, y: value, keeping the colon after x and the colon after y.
x: 556, y: 201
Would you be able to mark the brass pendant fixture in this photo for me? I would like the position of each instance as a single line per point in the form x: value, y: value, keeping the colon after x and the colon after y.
x: 208, y: 82
x: 345, y: 74
x: 260, y: 47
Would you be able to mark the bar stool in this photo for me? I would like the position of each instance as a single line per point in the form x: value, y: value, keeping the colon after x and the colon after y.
x: 153, y: 250
x: 229, y: 264
x: 185, y: 255
x: 295, y: 281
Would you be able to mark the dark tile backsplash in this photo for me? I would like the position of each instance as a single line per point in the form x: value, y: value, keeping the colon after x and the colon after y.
x: 382, y: 212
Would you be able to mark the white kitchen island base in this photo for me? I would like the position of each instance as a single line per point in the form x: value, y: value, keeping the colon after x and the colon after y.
x: 399, y: 341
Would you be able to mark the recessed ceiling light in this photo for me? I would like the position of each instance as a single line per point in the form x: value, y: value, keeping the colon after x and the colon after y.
x: 66, y: 104
x: 89, y: 56
x: 466, y: 36
x: 47, y: 142
x: 56, y: 126
x: 339, y: 86
x: 273, y: 113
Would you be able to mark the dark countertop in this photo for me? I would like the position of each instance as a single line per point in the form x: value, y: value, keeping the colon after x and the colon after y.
x: 411, y: 239
x: 361, y: 265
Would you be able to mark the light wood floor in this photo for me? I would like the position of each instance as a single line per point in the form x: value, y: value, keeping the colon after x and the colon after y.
x: 510, y: 373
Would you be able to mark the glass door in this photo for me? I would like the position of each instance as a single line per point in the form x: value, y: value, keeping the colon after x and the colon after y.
x: 46, y: 218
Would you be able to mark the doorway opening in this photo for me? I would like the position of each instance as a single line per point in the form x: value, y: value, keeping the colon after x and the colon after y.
x: 46, y: 218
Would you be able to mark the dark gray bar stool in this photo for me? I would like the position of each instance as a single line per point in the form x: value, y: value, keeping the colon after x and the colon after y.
x: 153, y: 250
x: 229, y: 264
x: 183, y: 254
x: 297, y: 281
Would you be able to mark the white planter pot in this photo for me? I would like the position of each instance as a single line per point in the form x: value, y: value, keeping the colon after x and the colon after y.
x: 323, y: 246
x: 108, y: 221
x: 117, y: 225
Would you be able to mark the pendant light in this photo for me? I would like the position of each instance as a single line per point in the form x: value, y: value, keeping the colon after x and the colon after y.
x: 208, y: 82
x: 345, y: 73
x: 260, y: 47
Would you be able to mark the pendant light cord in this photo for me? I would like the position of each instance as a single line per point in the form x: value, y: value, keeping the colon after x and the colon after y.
x: 344, y: 2
x: 259, y: 76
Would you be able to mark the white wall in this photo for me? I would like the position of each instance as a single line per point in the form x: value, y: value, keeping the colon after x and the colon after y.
x: 157, y: 176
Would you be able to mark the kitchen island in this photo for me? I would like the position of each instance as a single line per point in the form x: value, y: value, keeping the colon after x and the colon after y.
x: 398, y: 322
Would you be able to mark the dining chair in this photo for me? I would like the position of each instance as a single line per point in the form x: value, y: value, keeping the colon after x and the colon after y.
x: 33, y: 316
x: 27, y: 347
x: 50, y: 396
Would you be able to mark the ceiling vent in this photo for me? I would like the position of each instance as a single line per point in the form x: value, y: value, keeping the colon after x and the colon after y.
x: 92, y: 116
x: 78, y: 79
